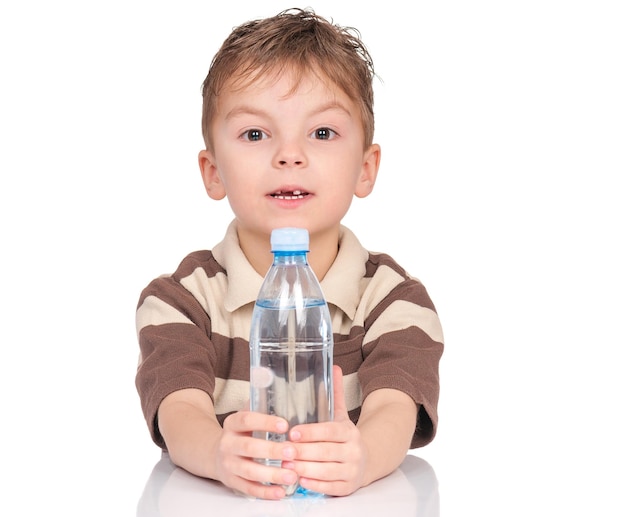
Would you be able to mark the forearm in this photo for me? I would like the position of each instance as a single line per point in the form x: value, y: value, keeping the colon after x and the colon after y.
x: 191, y: 432
x: 387, y: 423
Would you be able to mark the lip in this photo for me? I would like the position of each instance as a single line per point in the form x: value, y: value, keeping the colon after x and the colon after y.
x: 290, y: 195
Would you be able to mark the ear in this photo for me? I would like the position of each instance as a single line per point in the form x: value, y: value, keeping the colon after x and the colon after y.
x: 210, y: 176
x: 369, y: 171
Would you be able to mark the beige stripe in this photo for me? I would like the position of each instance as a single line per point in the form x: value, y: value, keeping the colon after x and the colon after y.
x: 231, y: 395
x: 397, y: 316
x: 376, y: 289
x: 154, y: 311
x: 210, y: 292
x: 352, y: 390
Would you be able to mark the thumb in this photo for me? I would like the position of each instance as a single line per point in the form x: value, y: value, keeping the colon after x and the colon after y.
x: 341, y: 411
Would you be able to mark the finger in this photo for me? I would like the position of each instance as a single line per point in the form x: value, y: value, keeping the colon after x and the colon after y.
x: 333, y: 488
x: 249, y: 421
x: 259, y: 472
x: 258, y: 490
x: 321, y: 471
x: 248, y: 474
x: 341, y: 411
x: 327, y: 432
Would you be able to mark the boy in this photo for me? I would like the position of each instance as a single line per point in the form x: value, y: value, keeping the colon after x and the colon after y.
x: 288, y: 126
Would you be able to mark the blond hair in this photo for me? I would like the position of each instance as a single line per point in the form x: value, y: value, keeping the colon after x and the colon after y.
x: 301, y: 42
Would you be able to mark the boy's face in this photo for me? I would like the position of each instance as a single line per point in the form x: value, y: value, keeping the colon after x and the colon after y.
x: 288, y: 159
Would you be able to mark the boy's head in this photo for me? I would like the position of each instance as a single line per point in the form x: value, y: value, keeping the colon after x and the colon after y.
x: 297, y: 41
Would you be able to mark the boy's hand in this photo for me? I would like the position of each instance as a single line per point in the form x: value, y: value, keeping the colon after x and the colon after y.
x: 330, y: 456
x: 197, y: 443
x: 237, y: 449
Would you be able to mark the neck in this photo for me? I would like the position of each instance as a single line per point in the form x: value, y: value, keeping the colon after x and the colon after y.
x: 323, y: 250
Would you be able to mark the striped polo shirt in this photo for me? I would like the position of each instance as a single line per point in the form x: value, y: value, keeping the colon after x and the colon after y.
x: 193, y: 328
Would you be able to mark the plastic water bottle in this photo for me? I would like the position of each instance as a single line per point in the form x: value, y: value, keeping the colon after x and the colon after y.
x: 291, y: 341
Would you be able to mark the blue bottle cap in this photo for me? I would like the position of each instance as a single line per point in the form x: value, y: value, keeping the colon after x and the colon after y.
x: 290, y: 239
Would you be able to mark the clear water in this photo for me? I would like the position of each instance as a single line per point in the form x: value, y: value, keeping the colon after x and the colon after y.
x: 291, y: 376
x: 293, y: 384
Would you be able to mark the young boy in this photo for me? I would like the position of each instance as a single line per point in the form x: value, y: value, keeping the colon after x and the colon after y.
x: 288, y: 125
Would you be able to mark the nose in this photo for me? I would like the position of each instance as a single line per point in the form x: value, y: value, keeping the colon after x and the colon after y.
x: 289, y: 154
x: 289, y: 161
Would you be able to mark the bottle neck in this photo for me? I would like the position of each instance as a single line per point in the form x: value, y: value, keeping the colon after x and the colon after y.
x: 290, y: 257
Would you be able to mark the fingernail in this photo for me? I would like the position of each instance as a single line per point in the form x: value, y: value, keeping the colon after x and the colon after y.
x: 289, y: 453
x: 282, y: 426
x: 295, y: 435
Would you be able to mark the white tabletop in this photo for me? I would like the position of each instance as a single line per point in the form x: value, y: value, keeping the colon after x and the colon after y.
x: 411, y: 490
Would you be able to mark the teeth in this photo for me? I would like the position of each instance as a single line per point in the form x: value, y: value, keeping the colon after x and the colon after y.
x: 296, y: 194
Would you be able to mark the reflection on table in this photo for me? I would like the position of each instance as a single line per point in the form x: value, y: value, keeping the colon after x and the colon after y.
x: 410, y: 490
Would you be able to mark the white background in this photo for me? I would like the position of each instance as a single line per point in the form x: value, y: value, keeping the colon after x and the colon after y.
x: 503, y: 128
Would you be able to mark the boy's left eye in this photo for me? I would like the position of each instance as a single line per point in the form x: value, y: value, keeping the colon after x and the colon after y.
x: 324, y: 133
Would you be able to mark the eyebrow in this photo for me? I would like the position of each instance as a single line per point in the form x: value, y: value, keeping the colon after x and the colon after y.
x: 246, y: 109
x: 243, y: 110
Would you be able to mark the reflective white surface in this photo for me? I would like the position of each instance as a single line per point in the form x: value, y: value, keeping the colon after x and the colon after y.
x: 411, y: 490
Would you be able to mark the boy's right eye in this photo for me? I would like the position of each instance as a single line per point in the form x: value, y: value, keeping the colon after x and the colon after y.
x: 253, y: 135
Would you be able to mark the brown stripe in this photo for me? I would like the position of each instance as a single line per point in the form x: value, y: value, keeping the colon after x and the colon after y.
x: 198, y: 259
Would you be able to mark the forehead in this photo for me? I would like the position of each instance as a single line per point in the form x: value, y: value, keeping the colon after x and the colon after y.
x: 285, y: 99
x: 285, y: 78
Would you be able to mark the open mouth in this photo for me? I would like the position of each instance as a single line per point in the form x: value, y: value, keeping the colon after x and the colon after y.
x: 289, y: 194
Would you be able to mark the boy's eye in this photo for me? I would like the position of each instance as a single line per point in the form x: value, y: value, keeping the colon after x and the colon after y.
x: 324, y: 133
x: 253, y: 135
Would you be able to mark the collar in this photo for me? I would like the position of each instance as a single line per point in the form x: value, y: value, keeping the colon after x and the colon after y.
x: 340, y: 286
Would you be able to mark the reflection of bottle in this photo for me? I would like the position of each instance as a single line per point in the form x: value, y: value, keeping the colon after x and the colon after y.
x: 291, y: 339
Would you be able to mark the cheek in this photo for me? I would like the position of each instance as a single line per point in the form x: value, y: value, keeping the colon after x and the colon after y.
x: 242, y: 190
x: 340, y: 200
x: 237, y: 171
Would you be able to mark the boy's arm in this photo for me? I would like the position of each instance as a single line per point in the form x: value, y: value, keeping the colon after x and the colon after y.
x: 197, y: 443
x: 187, y: 422
x: 387, y: 425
